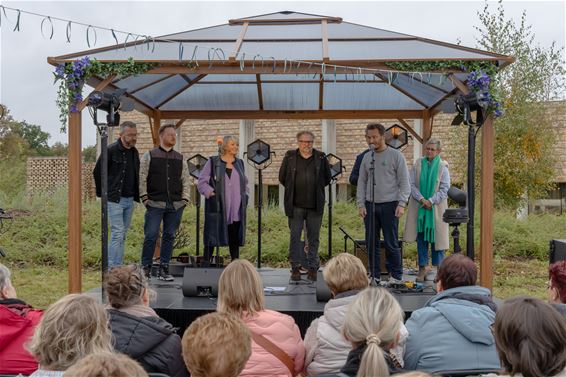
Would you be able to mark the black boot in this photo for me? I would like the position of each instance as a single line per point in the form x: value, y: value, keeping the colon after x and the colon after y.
x: 147, y: 272
x: 164, y: 273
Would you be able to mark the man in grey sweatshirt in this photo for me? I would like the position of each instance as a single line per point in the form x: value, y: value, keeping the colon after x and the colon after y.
x: 391, y: 192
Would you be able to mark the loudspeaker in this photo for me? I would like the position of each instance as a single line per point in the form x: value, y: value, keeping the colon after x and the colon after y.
x: 360, y: 251
x: 557, y: 251
x: 322, y: 291
x: 201, y: 282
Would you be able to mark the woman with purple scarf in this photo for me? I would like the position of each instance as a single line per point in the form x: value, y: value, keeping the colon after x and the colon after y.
x: 224, y: 184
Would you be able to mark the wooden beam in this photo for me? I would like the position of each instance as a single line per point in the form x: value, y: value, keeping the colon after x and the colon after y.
x: 74, y: 210
x: 434, y: 109
x: 487, y: 203
x: 411, y: 130
x: 155, y: 128
x: 459, y: 84
x: 427, y: 125
x: 196, y: 79
x: 238, y: 43
x: 180, y: 123
x: 324, y: 31
x: 103, y: 84
x: 259, y: 91
x: 321, y: 93
x: 299, y: 114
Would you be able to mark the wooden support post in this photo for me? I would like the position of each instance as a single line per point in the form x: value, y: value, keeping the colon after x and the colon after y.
x: 74, y: 243
x: 427, y: 126
x: 156, y: 125
x: 487, y: 203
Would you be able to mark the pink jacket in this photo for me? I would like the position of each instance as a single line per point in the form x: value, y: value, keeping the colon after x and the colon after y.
x: 281, y: 330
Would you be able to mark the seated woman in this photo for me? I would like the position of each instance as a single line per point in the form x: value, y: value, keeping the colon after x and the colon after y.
x: 240, y: 293
x: 224, y: 184
x: 137, y: 330
x: 557, y: 286
x: 106, y: 364
x: 373, y: 325
x: 17, y: 323
x: 73, y: 327
x: 451, y: 332
x: 531, y: 338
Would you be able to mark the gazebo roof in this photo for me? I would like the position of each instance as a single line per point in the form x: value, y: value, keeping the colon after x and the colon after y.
x: 283, y: 65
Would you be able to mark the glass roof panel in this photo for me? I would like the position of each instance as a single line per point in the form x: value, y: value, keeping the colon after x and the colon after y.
x: 419, y: 86
x: 276, y: 31
x: 365, y: 96
x: 215, y: 97
x: 397, y: 50
x: 155, y: 94
x: 208, y: 33
x: 290, y: 96
x: 349, y: 30
x: 231, y: 78
x: 132, y: 83
x: 282, y: 50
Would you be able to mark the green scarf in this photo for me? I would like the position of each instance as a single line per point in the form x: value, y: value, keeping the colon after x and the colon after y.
x: 427, y: 183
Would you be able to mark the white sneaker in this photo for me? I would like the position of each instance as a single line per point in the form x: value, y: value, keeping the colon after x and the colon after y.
x: 392, y: 280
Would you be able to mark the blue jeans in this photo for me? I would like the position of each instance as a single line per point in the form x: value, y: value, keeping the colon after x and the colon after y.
x: 422, y: 250
x: 313, y: 222
x: 120, y: 217
x: 386, y: 221
x: 171, y: 219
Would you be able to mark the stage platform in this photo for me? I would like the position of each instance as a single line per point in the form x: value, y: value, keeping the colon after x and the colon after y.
x: 296, y: 300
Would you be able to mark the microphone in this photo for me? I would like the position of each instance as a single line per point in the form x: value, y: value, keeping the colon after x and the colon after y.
x: 372, y: 147
x: 219, y: 142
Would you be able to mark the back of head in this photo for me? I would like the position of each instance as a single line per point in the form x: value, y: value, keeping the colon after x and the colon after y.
x: 345, y: 272
x: 457, y: 270
x: 106, y: 364
x: 71, y: 328
x: 557, y: 274
x: 5, y: 282
x: 216, y: 345
x: 240, y: 289
x: 530, y: 336
x: 373, y: 320
x: 125, y: 286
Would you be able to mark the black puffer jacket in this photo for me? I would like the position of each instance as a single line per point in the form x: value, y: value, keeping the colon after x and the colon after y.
x: 151, y: 341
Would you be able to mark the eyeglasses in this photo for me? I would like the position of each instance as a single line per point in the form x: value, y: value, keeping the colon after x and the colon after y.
x: 431, y: 149
x: 492, y: 327
x: 305, y: 141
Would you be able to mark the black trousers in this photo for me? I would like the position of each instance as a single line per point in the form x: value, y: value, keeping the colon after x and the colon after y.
x: 233, y: 243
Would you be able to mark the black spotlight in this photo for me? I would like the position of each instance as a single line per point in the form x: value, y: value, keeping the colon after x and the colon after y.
x: 259, y: 152
x: 335, y: 164
x: 396, y: 136
x: 111, y: 103
x: 196, y: 164
x: 466, y: 105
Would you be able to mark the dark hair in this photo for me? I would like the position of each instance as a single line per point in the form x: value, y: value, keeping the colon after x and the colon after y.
x: 301, y: 133
x: 530, y: 336
x: 457, y: 270
x: 376, y: 126
x: 557, y: 275
x: 166, y: 126
x: 125, y: 286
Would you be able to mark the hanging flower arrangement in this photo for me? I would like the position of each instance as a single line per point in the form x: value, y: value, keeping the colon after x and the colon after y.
x: 71, y: 77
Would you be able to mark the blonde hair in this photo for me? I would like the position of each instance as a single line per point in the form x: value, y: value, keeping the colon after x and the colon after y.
x: 5, y: 281
x: 225, y: 141
x: 240, y: 289
x: 416, y: 373
x: 125, y: 286
x: 216, y: 345
x: 373, y: 319
x: 345, y: 272
x: 73, y: 327
x: 106, y: 364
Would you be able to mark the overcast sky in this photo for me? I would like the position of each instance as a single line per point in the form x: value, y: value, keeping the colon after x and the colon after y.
x: 26, y: 81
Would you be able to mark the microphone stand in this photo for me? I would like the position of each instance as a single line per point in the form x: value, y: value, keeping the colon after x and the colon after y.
x: 217, y: 196
x: 371, y: 232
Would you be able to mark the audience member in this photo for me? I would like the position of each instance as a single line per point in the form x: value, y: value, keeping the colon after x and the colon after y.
x: 106, y: 364
x: 216, y: 345
x: 137, y: 330
x: 451, y: 332
x: 531, y: 338
x: 17, y: 323
x: 415, y: 373
x: 373, y: 325
x: 240, y: 293
x: 73, y: 327
x: 557, y: 286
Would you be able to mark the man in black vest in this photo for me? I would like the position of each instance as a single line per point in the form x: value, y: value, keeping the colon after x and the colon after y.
x: 123, y: 188
x: 305, y: 173
x: 164, y: 190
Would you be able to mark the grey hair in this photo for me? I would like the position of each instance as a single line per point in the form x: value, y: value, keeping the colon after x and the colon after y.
x: 5, y: 281
x: 435, y: 142
x: 125, y: 125
x: 225, y: 141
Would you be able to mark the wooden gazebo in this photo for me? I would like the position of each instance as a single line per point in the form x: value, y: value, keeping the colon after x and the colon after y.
x: 286, y: 65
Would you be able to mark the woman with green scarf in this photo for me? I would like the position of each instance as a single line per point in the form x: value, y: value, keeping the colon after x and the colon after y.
x: 430, y: 181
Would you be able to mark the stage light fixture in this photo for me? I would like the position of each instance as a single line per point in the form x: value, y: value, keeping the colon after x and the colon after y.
x: 466, y: 105
x: 110, y: 103
x: 396, y: 136
x: 335, y: 164
x: 258, y: 152
x: 196, y: 164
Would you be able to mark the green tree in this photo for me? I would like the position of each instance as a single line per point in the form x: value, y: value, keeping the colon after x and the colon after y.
x: 524, y: 145
x: 89, y: 153
x: 35, y: 137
